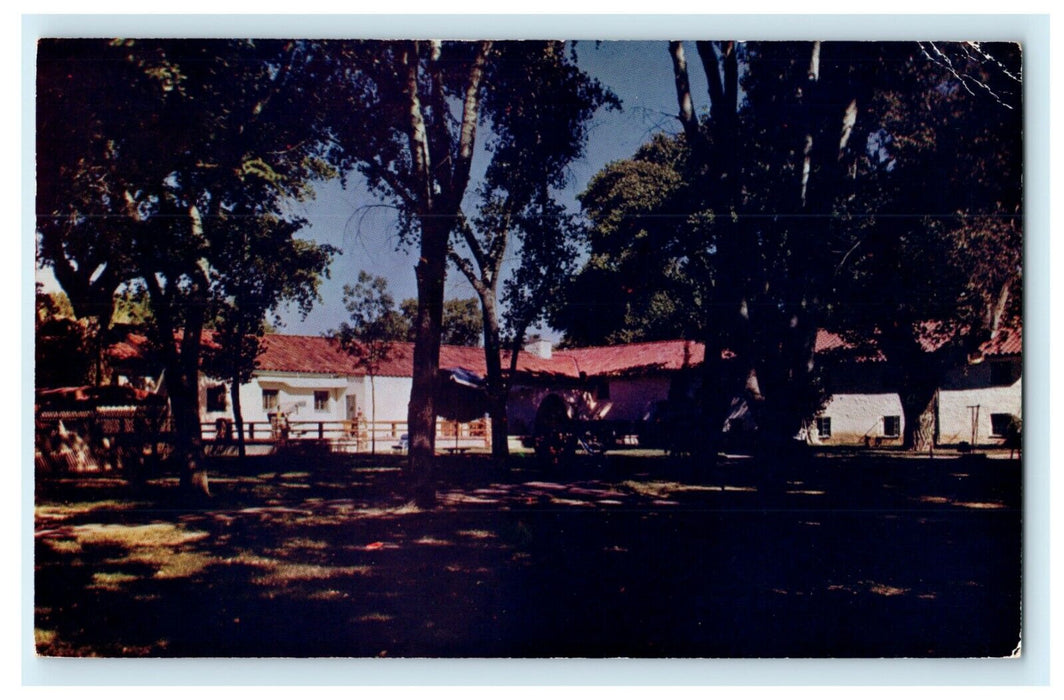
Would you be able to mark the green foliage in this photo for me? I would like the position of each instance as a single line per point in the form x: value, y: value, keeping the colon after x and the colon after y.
x: 866, y: 186
x: 167, y: 163
x: 63, y: 347
x: 375, y: 324
x: 633, y: 286
x: 132, y: 306
x: 462, y: 322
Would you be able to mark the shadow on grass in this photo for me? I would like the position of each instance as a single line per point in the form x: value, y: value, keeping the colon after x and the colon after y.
x: 317, y: 556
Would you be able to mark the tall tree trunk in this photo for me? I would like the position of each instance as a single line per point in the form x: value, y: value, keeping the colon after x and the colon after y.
x: 188, y: 448
x: 373, y: 415
x: 497, y: 388
x: 238, y: 416
x: 431, y: 273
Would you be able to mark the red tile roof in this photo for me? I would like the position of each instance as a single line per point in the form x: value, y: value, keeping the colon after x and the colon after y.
x: 1008, y: 341
x: 317, y: 355
x: 635, y: 358
x: 305, y: 353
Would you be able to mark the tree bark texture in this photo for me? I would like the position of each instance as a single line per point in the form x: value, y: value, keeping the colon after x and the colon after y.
x: 421, y: 417
x: 238, y: 417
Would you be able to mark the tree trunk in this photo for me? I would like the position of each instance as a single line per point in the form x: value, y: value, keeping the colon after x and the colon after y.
x: 421, y: 415
x: 188, y: 447
x: 238, y: 417
x: 497, y: 389
x: 918, y: 408
x: 373, y: 415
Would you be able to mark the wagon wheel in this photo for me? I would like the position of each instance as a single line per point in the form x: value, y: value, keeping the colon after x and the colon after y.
x: 553, y: 431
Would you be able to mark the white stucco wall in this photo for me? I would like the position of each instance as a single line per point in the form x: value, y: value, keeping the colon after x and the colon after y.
x: 296, y: 401
x: 855, y: 416
x: 956, y: 413
x: 392, y: 398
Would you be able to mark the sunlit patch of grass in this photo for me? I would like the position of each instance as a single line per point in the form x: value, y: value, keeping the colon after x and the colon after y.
x: 433, y: 541
x: 989, y: 505
x: 838, y: 587
x: 306, y: 543
x: 651, y: 489
x: 806, y: 492
x: 130, y: 536
x: 569, y: 502
x: 60, y: 512
x: 175, y: 564
x: 295, y: 475
x: 697, y: 489
x: 111, y: 580
x: 283, y: 574
x: 252, y: 560
x: 974, y: 505
x: 65, y: 546
x: 329, y: 594
x: 477, y: 534
x: 376, y: 617
x: 44, y: 638
x: 885, y: 590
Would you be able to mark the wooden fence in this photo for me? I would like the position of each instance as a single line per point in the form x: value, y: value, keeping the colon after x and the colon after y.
x: 102, y: 439
x: 348, y: 436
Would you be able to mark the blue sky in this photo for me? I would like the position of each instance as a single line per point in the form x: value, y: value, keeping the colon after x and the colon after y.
x: 640, y: 73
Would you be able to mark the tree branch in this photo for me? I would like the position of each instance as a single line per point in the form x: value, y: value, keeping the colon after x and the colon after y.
x: 683, y: 95
x: 466, y: 268
x: 416, y: 134
x: 712, y: 68
x: 468, y: 132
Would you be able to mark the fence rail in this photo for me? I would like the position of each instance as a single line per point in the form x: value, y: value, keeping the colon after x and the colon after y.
x: 349, y: 436
x: 101, y: 439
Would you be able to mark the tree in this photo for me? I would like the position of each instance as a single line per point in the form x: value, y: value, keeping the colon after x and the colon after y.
x: 934, y: 266
x: 461, y: 323
x: 632, y: 287
x: 412, y: 112
x: 267, y: 267
x: 533, y: 142
x: 375, y: 327
x: 61, y: 347
x: 861, y: 186
x: 149, y: 154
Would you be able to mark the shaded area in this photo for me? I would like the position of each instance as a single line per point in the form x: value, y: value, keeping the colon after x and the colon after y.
x: 321, y: 556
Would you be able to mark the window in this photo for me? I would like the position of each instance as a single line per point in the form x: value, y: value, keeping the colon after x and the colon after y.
x: 269, y: 399
x: 891, y: 426
x: 321, y: 401
x: 216, y: 399
x: 999, y: 424
x: 823, y: 427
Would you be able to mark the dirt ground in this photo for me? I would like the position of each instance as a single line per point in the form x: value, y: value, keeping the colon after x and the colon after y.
x: 841, y: 555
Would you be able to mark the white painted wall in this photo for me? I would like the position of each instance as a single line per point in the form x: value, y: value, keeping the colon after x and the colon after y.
x: 855, y: 416
x: 955, y: 414
x: 393, y: 398
x: 297, y: 401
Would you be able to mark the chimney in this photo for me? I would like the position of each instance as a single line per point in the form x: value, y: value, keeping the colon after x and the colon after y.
x: 539, y: 347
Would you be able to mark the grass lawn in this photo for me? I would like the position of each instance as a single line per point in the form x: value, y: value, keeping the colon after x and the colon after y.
x: 843, y: 555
